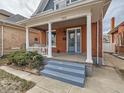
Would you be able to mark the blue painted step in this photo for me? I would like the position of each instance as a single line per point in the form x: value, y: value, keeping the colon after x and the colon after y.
x: 68, y: 64
x: 73, y: 73
x: 66, y: 70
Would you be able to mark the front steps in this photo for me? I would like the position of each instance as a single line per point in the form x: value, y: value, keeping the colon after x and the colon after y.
x: 69, y: 72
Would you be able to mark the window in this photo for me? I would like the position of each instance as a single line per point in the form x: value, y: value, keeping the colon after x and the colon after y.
x: 53, y: 39
x: 63, y: 3
x: 74, y: 0
x: 71, y: 1
x: 59, y: 4
x: 67, y: 1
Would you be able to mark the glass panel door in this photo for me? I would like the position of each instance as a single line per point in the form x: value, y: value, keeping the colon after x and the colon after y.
x: 78, y: 41
x: 74, y: 40
x: 71, y: 41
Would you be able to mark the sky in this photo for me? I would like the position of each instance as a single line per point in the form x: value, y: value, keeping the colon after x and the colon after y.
x: 116, y: 10
x: 27, y: 7
x: 23, y: 7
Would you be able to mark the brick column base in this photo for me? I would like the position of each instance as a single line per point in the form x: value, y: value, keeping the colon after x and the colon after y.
x: 89, y: 69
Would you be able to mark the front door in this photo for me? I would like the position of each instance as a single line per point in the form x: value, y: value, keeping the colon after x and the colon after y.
x: 74, y: 40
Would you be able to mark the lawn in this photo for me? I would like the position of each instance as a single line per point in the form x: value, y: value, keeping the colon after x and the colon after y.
x: 12, y: 84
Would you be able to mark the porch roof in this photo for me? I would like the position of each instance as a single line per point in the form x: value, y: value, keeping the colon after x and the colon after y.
x: 63, y: 24
x: 70, y: 12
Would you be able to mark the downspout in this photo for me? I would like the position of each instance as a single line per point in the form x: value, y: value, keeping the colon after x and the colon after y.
x: 97, y: 41
x: 102, y: 63
x: 2, y: 41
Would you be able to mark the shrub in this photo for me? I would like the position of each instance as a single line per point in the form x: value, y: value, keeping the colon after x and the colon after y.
x: 22, y: 58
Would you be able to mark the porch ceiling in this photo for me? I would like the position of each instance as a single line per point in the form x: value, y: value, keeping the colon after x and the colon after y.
x: 64, y: 24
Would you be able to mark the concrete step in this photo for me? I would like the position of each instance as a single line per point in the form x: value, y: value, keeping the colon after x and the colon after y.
x: 67, y: 64
x: 66, y: 70
x: 73, y: 73
x: 64, y: 77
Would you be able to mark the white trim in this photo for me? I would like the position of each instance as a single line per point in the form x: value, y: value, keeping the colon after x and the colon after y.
x: 80, y: 4
x: 58, y: 18
x: 60, y: 3
x: 71, y: 28
x: 2, y: 52
x: 66, y: 9
x: 27, y: 38
x: 70, y: 2
x: 74, y: 28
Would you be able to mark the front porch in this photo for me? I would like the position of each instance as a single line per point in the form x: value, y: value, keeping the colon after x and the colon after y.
x: 65, y: 40
x: 81, y: 58
x: 68, y: 32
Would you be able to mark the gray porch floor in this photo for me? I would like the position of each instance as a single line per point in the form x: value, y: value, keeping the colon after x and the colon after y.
x: 69, y: 57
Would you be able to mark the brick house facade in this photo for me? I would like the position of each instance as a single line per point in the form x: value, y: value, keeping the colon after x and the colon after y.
x: 69, y: 26
x: 12, y: 36
x: 117, y: 37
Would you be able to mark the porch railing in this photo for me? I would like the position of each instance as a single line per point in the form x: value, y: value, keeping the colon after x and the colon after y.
x: 40, y: 50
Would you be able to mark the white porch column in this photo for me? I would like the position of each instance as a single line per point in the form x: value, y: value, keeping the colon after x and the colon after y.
x: 89, y: 39
x: 49, y: 40
x: 27, y: 38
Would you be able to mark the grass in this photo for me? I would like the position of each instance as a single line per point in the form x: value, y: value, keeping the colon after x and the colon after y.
x: 10, y: 83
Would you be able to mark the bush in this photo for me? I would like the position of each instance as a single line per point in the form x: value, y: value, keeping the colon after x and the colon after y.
x: 22, y: 58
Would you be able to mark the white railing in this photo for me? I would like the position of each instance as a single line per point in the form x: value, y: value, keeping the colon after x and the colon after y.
x: 40, y: 50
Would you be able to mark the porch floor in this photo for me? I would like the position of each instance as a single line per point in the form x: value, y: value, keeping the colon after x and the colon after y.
x: 69, y: 57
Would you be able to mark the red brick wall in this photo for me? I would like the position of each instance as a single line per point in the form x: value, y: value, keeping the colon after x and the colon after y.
x: 100, y: 39
x: 120, y: 50
x: 43, y: 38
x: 94, y: 39
x: 61, y: 39
x: 120, y: 29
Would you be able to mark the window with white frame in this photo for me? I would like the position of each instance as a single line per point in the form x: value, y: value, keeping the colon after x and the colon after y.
x: 71, y: 1
x: 63, y: 3
x: 59, y: 4
x: 53, y: 38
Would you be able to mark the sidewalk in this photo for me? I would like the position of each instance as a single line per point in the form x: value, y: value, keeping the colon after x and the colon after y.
x: 104, y: 80
x: 113, y: 61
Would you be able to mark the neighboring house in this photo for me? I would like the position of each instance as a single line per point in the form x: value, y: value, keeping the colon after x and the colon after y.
x: 73, y: 26
x: 12, y: 35
x: 5, y: 14
x: 117, y: 37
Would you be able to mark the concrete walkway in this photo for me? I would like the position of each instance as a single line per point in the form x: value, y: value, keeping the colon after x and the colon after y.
x: 113, y: 61
x: 104, y: 80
